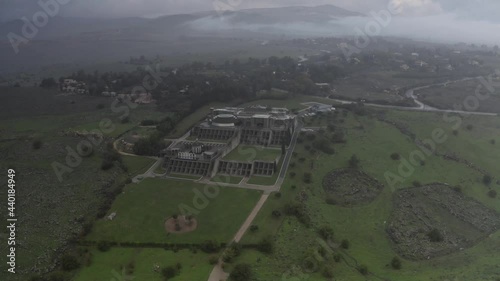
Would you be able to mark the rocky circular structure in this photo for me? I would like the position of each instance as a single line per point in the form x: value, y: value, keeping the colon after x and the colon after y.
x: 436, y: 220
x: 348, y: 187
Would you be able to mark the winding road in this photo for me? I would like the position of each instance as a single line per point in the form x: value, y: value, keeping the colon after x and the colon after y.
x: 420, y: 105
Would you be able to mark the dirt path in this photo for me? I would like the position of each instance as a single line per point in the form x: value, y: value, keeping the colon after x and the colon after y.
x: 218, y: 273
x: 250, y: 218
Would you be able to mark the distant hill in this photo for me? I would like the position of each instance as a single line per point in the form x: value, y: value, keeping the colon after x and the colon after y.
x: 85, y: 40
x: 318, y: 14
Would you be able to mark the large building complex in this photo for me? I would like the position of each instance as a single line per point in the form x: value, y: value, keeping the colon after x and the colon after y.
x: 233, y: 141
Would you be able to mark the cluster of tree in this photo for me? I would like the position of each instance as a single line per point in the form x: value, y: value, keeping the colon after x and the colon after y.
x: 150, y: 146
x: 299, y: 211
x: 170, y: 272
x: 48, y: 83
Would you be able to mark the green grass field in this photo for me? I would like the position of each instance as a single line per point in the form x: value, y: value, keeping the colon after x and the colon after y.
x: 110, y: 265
x: 137, y: 164
x: 226, y: 179
x: 184, y: 176
x: 161, y: 198
x: 247, y: 153
x: 365, y: 226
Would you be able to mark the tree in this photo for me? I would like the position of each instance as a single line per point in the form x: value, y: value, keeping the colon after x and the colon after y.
x: 396, y: 263
x: 37, y: 144
x: 363, y: 269
x: 307, y: 177
x: 487, y: 179
x: 326, y: 232
x: 69, y: 262
x: 48, y: 83
x: 209, y: 246
x: 354, y: 162
x: 103, y: 246
x: 435, y: 235
x: 395, y: 156
x: 241, y: 272
x: 266, y: 245
x: 345, y: 244
x: 169, y: 272
x: 492, y: 193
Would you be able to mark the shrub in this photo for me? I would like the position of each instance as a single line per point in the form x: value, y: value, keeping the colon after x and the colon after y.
x: 266, y: 245
x: 209, y: 246
x: 327, y: 272
x: 57, y: 276
x: 148, y: 122
x: 241, y: 272
x: 396, y: 263
x: 435, y: 235
x: 470, y: 127
x: 337, y: 258
x: 213, y: 259
x: 354, y: 162
x: 395, y: 156
x: 307, y: 177
x: 492, y: 193
x: 299, y: 211
x: 276, y: 214
x: 331, y: 201
x: 228, y: 255
x: 277, y: 195
x: 417, y: 184
x: 69, y: 262
x: 130, y: 268
x: 37, y: 144
x: 326, y: 232
x: 363, y: 269
x: 487, y: 179
x: 293, y: 174
x: 103, y: 246
x: 493, y: 141
x: 310, y: 137
x: 169, y: 272
x: 455, y: 132
x: 100, y: 106
x: 254, y: 228
x: 324, y: 146
x: 106, y: 165
x: 345, y: 244
x: 236, y: 247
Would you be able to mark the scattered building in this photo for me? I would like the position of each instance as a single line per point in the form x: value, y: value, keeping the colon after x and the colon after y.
x: 71, y: 86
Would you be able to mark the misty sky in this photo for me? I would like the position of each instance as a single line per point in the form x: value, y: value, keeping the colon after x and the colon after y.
x: 483, y: 10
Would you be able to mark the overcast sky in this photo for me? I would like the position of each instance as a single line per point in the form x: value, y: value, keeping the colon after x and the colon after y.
x: 484, y: 10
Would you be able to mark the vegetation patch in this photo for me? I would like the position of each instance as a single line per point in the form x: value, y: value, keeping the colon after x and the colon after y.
x: 180, y: 224
x: 436, y: 220
x: 349, y: 187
